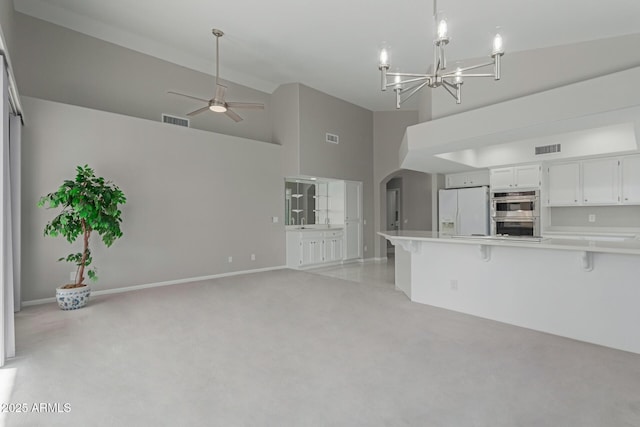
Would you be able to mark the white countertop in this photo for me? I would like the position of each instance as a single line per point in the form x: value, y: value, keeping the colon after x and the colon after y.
x: 629, y: 246
x: 314, y: 227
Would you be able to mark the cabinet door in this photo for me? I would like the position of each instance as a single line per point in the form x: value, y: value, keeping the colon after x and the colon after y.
x: 337, y: 249
x: 352, y: 240
x: 456, y: 180
x: 527, y: 176
x: 501, y: 178
x: 600, y: 180
x: 353, y: 196
x: 631, y: 180
x: 333, y: 249
x: 475, y: 179
x: 307, y: 251
x: 564, y: 184
x: 312, y: 251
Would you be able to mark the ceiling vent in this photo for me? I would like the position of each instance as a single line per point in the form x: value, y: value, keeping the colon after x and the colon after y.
x: 334, y: 139
x: 173, y: 120
x: 548, y: 149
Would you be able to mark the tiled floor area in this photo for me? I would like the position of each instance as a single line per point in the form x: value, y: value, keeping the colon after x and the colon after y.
x: 334, y: 346
x: 379, y: 273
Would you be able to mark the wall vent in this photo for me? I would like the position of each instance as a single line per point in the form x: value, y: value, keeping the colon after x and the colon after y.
x: 334, y: 139
x: 173, y: 120
x: 548, y: 149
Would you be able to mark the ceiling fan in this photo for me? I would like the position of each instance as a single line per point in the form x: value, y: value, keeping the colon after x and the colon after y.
x: 217, y: 104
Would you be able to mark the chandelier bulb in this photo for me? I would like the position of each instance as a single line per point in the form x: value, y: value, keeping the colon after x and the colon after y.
x: 498, y: 48
x: 442, y: 29
x: 384, y: 58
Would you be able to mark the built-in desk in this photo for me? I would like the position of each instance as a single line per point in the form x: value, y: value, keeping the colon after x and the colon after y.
x: 583, y: 289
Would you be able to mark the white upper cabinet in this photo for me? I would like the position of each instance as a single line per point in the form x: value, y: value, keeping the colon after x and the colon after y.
x: 605, y: 181
x: 631, y: 180
x: 600, y: 181
x: 515, y: 177
x: 564, y: 184
x: 527, y: 176
x: 501, y: 178
x: 467, y: 179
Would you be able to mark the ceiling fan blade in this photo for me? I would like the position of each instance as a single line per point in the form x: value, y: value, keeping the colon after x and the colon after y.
x: 198, y: 111
x: 220, y: 91
x: 188, y: 96
x: 246, y: 105
x: 233, y: 115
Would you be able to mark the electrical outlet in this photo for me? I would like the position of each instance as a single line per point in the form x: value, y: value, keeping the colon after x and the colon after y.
x: 253, y: 257
x: 274, y: 219
x: 72, y: 276
x: 365, y: 248
x: 454, y: 285
x: 592, y: 218
x: 230, y: 259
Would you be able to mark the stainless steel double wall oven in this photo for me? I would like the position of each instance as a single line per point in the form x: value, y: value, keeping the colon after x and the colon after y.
x: 515, y: 213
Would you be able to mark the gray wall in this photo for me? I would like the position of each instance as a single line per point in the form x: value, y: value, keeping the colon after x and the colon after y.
x: 285, y: 102
x: 606, y: 216
x: 194, y: 198
x: 416, y: 200
x: 388, y: 130
x: 351, y: 159
x: 6, y: 22
x: 528, y: 72
x: 58, y: 64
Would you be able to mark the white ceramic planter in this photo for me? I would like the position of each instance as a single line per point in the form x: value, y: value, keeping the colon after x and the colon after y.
x: 74, y: 298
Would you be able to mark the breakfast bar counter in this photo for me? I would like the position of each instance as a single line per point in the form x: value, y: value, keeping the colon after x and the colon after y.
x: 586, y: 289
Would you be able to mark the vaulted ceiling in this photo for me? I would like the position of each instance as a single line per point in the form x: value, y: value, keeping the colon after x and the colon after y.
x: 331, y: 45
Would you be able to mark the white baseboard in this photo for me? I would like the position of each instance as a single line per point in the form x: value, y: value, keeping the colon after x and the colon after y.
x: 158, y: 284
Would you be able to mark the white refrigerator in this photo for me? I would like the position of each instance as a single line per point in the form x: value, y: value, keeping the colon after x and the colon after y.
x: 464, y: 211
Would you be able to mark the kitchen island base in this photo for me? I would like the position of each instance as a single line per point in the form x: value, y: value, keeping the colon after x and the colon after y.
x: 585, y: 295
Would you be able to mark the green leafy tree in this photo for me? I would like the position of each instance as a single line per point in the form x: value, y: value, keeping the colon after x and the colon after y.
x: 88, y: 204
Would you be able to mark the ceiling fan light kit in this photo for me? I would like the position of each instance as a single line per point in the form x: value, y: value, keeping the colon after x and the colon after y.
x: 217, y: 104
x: 405, y: 85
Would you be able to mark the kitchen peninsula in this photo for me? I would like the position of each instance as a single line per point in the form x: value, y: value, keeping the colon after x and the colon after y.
x: 586, y: 289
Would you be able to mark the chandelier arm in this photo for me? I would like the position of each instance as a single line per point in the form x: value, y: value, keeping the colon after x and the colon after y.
x: 412, y: 87
x: 473, y: 67
x: 469, y: 75
x: 451, y: 85
x: 413, y: 92
x: 427, y: 78
x: 409, y: 75
x: 450, y: 93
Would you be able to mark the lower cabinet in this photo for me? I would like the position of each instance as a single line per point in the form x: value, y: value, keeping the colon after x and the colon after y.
x: 312, y: 251
x: 333, y: 246
x: 306, y: 248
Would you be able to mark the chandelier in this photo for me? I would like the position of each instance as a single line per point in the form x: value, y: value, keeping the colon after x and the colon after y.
x: 406, y: 85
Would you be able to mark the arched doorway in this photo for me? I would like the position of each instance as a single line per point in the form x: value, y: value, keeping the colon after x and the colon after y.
x: 405, y: 204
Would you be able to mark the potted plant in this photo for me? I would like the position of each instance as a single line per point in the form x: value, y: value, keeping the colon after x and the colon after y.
x: 88, y: 204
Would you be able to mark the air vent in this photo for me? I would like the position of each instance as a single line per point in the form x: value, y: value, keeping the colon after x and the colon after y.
x: 173, y: 120
x: 334, y: 139
x: 548, y: 149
